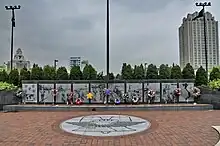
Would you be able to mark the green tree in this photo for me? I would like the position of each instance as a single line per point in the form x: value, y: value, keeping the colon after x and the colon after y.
x: 188, y: 72
x: 201, y: 77
x: 164, y: 71
x: 100, y: 76
x: 14, y: 77
x: 118, y: 77
x: 62, y: 73
x: 215, y: 74
x: 126, y: 72
x: 24, y: 75
x: 37, y: 73
x: 75, y: 73
x: 49, y: 73
x: 152, y: 72
x: 111, y: 76
x: 139, y: 72
x: 89, y: 73
x: 176, y: 72
x: 3, y: 76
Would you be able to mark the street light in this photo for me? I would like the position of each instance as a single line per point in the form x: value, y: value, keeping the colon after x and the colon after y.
x: 12, y: 9
x: 107, y: 45
x: 145, y: 68
x: 202, y: 14
x: 55, y: 64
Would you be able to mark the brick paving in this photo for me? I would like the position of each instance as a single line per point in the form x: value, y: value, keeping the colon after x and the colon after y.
x: 169, y: 128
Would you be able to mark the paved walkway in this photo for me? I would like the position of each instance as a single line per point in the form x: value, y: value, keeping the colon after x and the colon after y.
x: 169, y: 128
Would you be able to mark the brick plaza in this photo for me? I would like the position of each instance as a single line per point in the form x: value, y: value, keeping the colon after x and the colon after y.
x: 168, y: 128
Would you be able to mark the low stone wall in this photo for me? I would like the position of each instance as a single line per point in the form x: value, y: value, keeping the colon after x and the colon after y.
x: 210, y: 97
x: 7, y: 97
x: 156, y: 107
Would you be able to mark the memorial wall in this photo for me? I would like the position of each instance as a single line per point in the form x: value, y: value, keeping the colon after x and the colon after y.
x: 41, y: 91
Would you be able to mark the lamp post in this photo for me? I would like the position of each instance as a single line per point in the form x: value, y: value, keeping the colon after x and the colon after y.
x: 55, y: 64
x: 145, y: 69
x: 55, y: 90
x: 202, y: 14
x: 107, y: 45
x: 12, y: 9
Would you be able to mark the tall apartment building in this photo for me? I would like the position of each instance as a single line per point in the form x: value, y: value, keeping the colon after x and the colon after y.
x: 75, y: 61
x: 191, y: 41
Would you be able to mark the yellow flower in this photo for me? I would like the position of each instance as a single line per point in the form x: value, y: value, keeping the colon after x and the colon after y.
x: 89, y: 95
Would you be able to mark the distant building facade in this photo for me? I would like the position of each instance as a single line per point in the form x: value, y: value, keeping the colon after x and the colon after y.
x: 75, y: 61
x: 191, y: 41
x: 19, y: 61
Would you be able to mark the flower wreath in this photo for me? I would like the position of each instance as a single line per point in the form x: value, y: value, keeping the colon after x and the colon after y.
x: 70, y: 94
x: 54, y: 92
x: 117, y: 101
x: 151, y: 91
x: 178, y: 91
x: 135, y: 99
x: 78, y: 101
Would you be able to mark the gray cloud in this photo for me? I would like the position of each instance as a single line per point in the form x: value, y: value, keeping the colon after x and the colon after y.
x: 141, y: 31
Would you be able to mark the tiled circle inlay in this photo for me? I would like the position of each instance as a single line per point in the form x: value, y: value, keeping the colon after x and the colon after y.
x: 105, y: 125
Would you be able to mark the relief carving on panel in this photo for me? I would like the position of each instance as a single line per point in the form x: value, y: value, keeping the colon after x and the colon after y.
x: 134, y: 90
x: 63, y: 91
x: 29, y: 93
x: 80, y: 91
x: 167, y: 91
x: 155, y: 87
x: 186, y: 89
x: 117, y: 91
x: 45, y: 93
x: 98, y: 91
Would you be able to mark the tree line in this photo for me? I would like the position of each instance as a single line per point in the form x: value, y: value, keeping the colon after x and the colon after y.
x: 128, y: 72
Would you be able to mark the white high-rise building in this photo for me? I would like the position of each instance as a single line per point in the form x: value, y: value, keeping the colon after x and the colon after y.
x: 191, y: 41
x: 75, y: 61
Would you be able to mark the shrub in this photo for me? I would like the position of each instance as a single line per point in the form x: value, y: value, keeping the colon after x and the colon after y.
x: 7, y: 87
x: 215, y: 84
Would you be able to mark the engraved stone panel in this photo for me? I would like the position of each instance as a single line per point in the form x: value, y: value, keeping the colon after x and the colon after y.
x: 63, y: 91
x: 117, y: 91
x: 97, y: 90
x: 80, y: 91
x: 45, y: 93
x: 167, y: 90
x: 30, y: 93
x: 186, y: 88
x: 135, y: 90
x: 155, y: 87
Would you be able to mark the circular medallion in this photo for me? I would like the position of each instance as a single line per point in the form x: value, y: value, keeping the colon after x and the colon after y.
x: 105, y: 125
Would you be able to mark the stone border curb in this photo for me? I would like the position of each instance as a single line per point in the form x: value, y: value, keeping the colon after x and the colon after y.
x: 217, y: 128
x: 171, y: 107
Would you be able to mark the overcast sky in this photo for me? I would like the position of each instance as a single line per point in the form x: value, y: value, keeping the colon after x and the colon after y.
x: 141, y: 30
